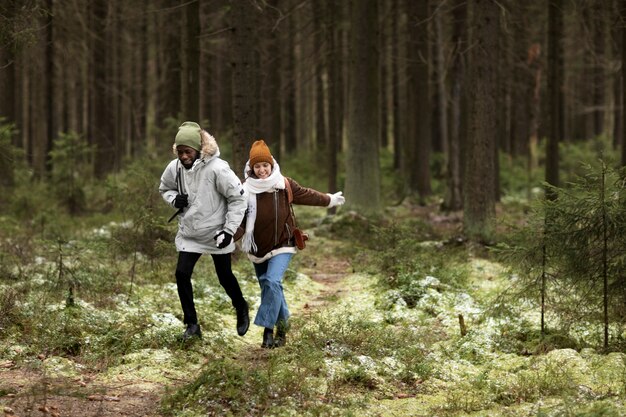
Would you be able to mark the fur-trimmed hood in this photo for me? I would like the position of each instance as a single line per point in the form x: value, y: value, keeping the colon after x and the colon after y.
x: 209, y: 147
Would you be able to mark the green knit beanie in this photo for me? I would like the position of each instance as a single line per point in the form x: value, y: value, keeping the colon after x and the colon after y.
x: 188, y: 135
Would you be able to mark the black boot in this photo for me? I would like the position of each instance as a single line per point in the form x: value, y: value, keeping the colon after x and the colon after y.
x: 281, y: 334
x: 243, y: 319
x: 193, y: 330
x: 268, y: 339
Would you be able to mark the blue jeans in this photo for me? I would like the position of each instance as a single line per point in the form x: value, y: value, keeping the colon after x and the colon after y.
x: 273, y: 306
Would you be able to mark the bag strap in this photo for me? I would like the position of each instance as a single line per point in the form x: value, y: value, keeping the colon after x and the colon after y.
x: 289, y: 200
x: 289, y: 192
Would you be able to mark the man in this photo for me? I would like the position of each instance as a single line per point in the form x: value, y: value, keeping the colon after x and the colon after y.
x: 211, y: 204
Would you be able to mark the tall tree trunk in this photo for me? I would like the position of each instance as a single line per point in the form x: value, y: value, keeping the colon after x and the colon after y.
x: 270, y: 112
x: 244, y: 82
x: 50, y: 81
x: 321, y: 134
x: 395, y: 83
x: 454, y: 197
x: 303, y: 72
x: 419, y: 139
x: 35, y: 132
x: 191, y: 76
x: 440, y: 79
x: 113, y: 40
x: 479, y: 204
x: 623, y: 14
x: 383, y: 46
x: 533, y: 96
x: 333, y: 94
x: 343, y: 50
x: 151, y: 86
x: 289, y: 88
x: 101, y: 120
x: 599, y: 76
x: 7, y: 70
x: 222, y: 100
x: 555, y: 90
x: 362, y: 161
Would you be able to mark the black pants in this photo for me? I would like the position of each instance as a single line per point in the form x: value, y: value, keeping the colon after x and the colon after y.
x: 184, y: 270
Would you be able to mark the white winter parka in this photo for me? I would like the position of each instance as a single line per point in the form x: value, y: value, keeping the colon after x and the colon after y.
x: 216, y: 200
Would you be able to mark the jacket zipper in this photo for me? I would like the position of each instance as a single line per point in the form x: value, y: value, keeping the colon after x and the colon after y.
x: 275, y: 218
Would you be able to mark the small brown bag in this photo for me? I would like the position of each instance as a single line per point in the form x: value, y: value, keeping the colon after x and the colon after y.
x: 299, y: 236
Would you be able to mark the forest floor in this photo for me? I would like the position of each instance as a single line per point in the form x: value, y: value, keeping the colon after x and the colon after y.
x: 56, y: 387
x: 375, y: 353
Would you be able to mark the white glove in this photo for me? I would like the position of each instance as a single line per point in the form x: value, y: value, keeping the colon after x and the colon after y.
x: 336, y: 199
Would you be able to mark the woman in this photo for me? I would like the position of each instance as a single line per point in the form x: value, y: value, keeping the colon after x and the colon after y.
x: 268, y: 237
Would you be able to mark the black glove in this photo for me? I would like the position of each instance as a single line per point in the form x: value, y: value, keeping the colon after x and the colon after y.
x: 181, y: 201
x: 223, y: 239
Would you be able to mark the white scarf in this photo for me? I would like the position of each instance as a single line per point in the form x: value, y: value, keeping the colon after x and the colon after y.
x: 254, y: 186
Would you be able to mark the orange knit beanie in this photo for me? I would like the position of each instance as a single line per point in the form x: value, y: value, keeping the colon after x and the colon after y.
x: 260, y: 153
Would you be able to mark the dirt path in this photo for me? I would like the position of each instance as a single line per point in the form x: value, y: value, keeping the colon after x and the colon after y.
x: 32, y: 393
x: 329, y: 272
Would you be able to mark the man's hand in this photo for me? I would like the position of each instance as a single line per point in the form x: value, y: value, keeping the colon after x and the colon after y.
x: 181, y: 201
x: 223, y: 239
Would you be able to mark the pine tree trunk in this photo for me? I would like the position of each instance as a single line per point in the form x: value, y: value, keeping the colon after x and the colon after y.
x: 395, y: 83
x: 151, y: 89
x: 605, y: 272
x: 244, y: 82
x: 8, y: 67
x: 270, y: 95
x: 623, y: 14
x: 479, y: 198
x: 362, y: 159
x: 50, y: 81
x: 383, y: 47
x: 334, y: 94
x: 599, y: 76
x: 454, y: 196
x: 191, y: 75
x: 419, y: 139
x: 321, y: 134
x: 442, y: 101
x: 555, y: 90
x: 101, y: 123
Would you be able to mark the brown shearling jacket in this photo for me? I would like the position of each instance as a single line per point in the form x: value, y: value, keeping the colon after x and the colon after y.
x: 274, y: 223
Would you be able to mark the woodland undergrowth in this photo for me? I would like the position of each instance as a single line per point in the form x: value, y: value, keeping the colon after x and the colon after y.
x: 420, y: 321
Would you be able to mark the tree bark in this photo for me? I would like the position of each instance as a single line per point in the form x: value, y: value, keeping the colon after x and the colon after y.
x: 151, y: 86
x: 599, y: 76
x: 623, y: 14
x: 454, y: 197
x: 362, y: 161
x: 244, y: 82
x: 8, y: 108
x: 101, y: 124
x: 479, y: 198
x: 191, y: 76
x: 270, y: 93
x: 321, y: 134
x: 395, y: 85
x: 289, y: 89
x: 555, y: 90
x: 334, y: 94
x: 440, y: 78
x: 419, y: 139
